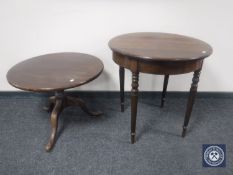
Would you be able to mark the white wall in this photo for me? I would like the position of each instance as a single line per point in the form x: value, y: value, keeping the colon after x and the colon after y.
x: 33, y: 27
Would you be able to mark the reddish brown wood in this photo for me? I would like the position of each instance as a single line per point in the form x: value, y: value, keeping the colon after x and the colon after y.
x: 60, y: 101
x: 159, y: 53
x: 191, y: 99
x: 54, y: 119
x: 158, y: 67
x: 56, y: 72
x: 134, y: 104
x: 160, y: 47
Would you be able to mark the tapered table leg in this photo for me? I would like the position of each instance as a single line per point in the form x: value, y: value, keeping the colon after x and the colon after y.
x: 191, y: 98
x: 165, y: 82
x: 122, y: 91
x: 134, y: 103
x: 54, y: 120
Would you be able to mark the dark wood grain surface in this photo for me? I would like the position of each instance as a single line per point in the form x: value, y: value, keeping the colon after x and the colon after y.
x: 54, y: 72
x: 160, y: 47
x: 158, y: 53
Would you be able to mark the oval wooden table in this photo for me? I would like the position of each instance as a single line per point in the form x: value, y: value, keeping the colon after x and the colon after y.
x: 56, y: 72
x: 158, y: 53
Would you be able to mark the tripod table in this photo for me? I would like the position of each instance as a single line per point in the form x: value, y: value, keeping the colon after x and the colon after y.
x: 55, y: 73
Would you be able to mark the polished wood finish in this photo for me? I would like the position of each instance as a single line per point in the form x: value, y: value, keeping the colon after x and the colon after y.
x: 191, y: 98
x: 160, y: 47
x: 56, y: 73
x: 165, y: 82
x: 58, y: 107
x: 158, y: 67
x: 134, y: 103
x: 159, y: 53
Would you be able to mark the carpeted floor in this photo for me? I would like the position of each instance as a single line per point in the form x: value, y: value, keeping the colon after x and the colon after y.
x: 101, y: 146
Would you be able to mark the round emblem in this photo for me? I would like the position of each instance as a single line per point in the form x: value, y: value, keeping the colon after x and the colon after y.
x: 214, y: 156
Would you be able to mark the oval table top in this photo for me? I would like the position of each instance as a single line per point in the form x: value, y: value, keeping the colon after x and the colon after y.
x: 151, y: 46
x: 55, y: 72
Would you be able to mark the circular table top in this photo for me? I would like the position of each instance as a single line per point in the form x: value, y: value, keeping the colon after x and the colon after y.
x: 160, y: 47
x: 54, y: 72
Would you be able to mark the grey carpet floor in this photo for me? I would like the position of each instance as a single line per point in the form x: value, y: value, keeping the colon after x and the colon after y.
x: 101, y: 146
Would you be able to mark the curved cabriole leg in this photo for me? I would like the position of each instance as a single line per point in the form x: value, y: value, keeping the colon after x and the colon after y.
x: 134, y: 103
x: 191, y: 98
x: 122, y: 91
x: 71, y: 101
x: 54, y: 123
x: 165, y: 82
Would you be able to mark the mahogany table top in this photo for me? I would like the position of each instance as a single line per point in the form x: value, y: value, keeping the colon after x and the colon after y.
x: 54, y: 72
x: 151, y: 46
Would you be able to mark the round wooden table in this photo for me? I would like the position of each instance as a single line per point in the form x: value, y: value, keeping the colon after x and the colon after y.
x: 158, y: 53
x: 56, y: 72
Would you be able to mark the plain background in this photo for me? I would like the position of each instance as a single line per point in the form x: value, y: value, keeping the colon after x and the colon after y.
x: 30, y: 27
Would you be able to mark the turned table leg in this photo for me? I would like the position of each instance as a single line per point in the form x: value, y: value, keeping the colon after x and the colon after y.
x: 191, y: 98
x: 122, y: 91
x: 54, y: 119
x: 165, y: 82
x: 134, y: 103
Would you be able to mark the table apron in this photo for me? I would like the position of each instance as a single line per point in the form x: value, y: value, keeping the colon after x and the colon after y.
x: 157, y: 67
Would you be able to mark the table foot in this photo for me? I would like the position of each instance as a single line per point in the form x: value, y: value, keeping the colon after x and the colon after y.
x: 122, y: 107
x: 184, y: 131
x: 133, y: 139
x: 54, y: 123
x: 71, y: 101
